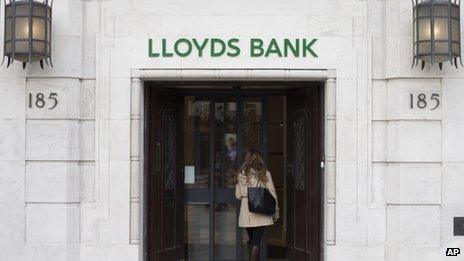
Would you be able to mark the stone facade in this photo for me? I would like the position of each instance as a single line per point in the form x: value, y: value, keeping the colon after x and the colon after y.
x: 67, y: 185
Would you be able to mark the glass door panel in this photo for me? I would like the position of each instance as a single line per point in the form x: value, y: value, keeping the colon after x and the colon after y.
x: 197, y: 143
x: 225, y: 144
x: 225, y: 167
x: 217, y: 128
x: 197, y: 226
x: 225, y: 228
x: 197, y: 172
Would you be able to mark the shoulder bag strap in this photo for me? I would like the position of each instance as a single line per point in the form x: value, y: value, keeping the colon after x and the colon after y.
x: 260, y: 183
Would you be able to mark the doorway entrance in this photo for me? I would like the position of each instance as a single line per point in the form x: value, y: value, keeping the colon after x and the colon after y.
x: 195, y: 134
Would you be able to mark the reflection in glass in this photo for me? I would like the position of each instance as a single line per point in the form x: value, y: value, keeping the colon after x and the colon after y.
x: 197, y: 140
x: 225, y: 224
x: 252, y: 117
x: 225, y: 143
x: 252, y: 136
x: 197, y: 232
x: 252, y: 110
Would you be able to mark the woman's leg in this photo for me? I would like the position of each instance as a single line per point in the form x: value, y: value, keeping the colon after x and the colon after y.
x: 250, y: 238
x: 250, y: 233
x: 258, y: 233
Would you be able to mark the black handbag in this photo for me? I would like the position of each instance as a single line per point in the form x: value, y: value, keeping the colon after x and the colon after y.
x: 261, y: 201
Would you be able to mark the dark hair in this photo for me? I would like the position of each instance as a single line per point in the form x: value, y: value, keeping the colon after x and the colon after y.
x: 253, y: 159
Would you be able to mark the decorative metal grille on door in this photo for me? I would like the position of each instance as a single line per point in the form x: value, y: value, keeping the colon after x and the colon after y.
x: 300, y: 150
x: 170, y: 149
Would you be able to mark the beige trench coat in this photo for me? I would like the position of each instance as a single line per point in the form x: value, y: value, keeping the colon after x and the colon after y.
x: 246, y: 218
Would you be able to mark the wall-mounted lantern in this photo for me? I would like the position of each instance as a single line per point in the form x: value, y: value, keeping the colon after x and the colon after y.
x: 437, y: 37
x: 28, y: 26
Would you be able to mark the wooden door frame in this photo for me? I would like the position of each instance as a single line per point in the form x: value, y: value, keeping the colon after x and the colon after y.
x: 139, y: 76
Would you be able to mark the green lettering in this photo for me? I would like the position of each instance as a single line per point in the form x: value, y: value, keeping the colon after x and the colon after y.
x: 231, y: 44
x: 222, y: 50
x: 165, y: 53
x: 150, y: 49
x: 307, y: 47
x: 295, y: 49
x: 273, y: 48
x: 199, y: 47
x: 256, y: 45
x: 177, y: 49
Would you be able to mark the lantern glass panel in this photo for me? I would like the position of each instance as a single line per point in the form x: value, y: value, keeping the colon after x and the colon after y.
x: 441, y: 29
x: 455, y: 12
x: 37, y: 57
x: 38, y: 28
x: 22, y: 28
x: 49, y: 13
x: 440, y: 10
x: 9, y: 11
x: 441, y: 47
x: 22, y: 57
x: 21, y: 47
x: 425, y: 48
x: 38, y: 47
x: 22, y: 10
x: 8, y: 48
x: 424, y: 29
x: 441, y: 58
x: 456, y: 49
x: 9, y: 29
x: 455, y: 35
x: 423, y: 11
x: 426, y: 58
x: 39, y: 11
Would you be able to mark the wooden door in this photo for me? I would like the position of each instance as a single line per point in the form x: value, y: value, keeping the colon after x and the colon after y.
x: 305, y: 154
x: 164, y: 175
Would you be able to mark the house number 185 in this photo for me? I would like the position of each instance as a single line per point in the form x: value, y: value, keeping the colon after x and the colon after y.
x: 421, y: 101
x: 40, y: 100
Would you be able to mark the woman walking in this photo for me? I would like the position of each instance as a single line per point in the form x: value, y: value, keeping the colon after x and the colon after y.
x: 254, y: 173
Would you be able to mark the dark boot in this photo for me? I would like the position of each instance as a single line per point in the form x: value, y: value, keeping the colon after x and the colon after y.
x: 255, y: 253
